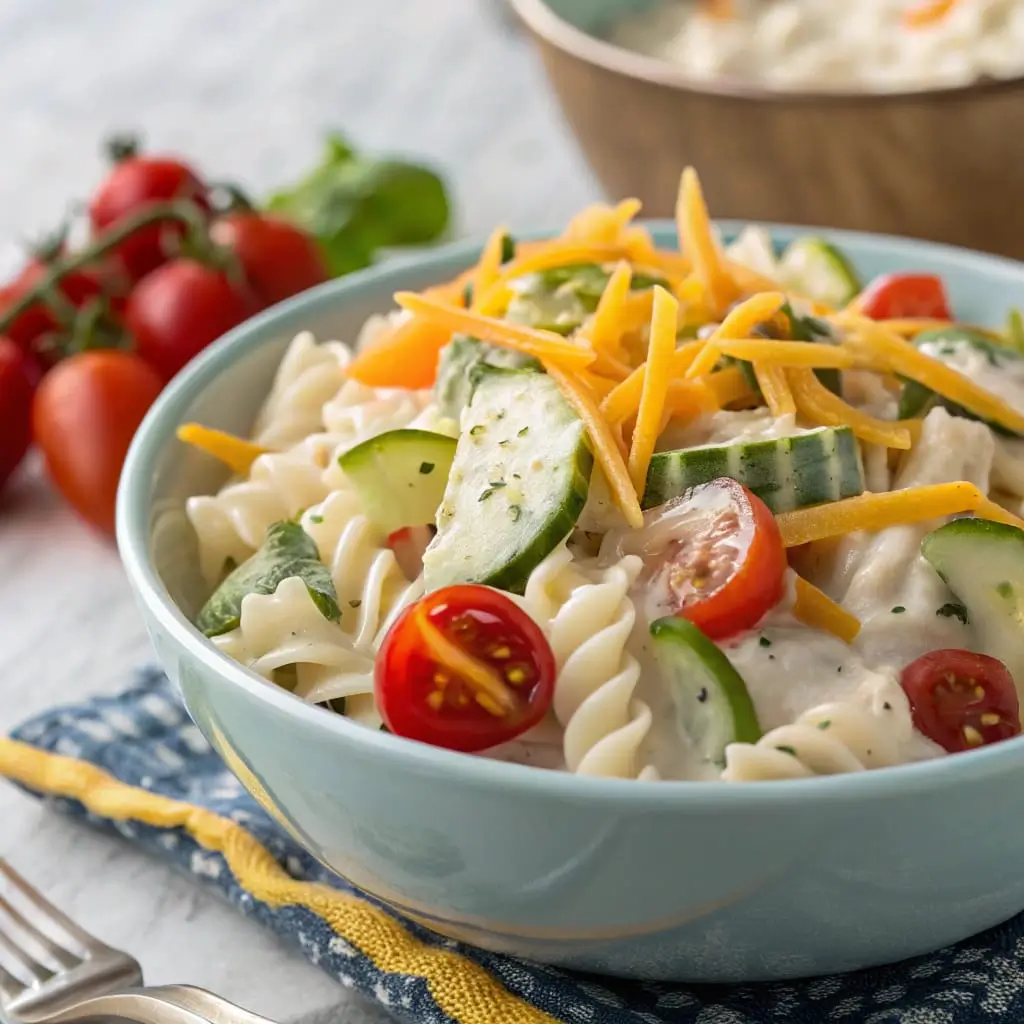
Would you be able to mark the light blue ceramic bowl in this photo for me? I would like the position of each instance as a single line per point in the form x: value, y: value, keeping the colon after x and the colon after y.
x: 697, y: 882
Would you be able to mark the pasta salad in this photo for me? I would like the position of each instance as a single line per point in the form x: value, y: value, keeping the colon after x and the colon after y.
x: 602, y: 507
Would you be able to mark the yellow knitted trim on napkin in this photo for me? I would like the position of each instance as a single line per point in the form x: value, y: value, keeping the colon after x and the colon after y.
x: 462, y: 989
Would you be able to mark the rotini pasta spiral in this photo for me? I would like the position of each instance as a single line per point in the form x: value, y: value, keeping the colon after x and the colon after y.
x: 830, y: 739
x: 309, y: 376
x: 588, y: 618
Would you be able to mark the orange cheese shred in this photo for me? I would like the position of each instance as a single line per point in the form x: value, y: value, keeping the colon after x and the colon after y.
x: 489, y: 267
x: 927, y: 12
x: 624, y: 400
x: 607, y: 449
x: 235, y: 452
x: 825, y: 409
x: 786, y: 353
x: 907, y: 360
x: 698, y: 243
x: 608, y: 324
x: 817, y: 610
x: 729, y: 386
x: 661, y: 348
x: 739, y: 322
x: 775, y: 389
x: 544, y: 345
x: 890, y: 508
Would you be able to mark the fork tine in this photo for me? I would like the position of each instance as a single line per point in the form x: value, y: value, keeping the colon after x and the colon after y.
x: 47, y: 911
x: 35, y: 972
x: 10, y: 986
x: 63, y: 957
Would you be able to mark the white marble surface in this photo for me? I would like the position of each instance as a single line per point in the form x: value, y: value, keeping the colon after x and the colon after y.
x: 246, y: 87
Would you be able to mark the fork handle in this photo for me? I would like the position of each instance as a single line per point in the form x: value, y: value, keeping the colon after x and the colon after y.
x: 138, y: 1005
x: 210, y: 1007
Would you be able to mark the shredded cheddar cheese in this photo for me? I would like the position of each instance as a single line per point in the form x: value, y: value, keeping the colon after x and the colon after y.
x: 607, y: 449
x: 825, y: 409
x: 624, y: 400
x: 490, y: 264
x: 817, y: 610
x: 235, y: 452
x: 607, y: 326
x: 655, y: 387
x: 905, y: 359
x: 544, y: 345
x: 698, y: 243
x: 892, y: 508
x: 729, y: 387
x: 786, y: 353
x: 927, y: 12
x: 737, y: 324
x: 772, y: 382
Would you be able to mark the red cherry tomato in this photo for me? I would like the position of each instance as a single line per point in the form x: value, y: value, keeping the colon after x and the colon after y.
x: 17, y: 382
x: 279, y: 259
x: 409, y: 544
x: 29, y: 327
x: 132, y: 185
x: 961, y: 700
x: 902, y: 296
x: 464, y: 668
x: 177, y: 310
x: 714, y: 556
x: 84, y: 416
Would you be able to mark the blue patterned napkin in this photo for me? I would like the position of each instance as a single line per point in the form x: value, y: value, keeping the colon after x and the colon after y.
x: 144, y: 739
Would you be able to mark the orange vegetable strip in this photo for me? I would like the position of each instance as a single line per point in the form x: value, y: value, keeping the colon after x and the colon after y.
x: 737, y: 324
x: 660, y: 350
x: 625, y: 399
x: 544, y: 345
x: 927, y: 12
x: 890, y: 508
x: 489, y: 267
x: 820, y: 406
x: 728, y: 385
x: 235, y: 452
x: 405, y: 357
x: 698, y: 243
x: 600, y: 385
x: 909, y: 361
x: 688, y: 398
x: 817, y: 610
x: 611, y: 367
x: 607, y: 449
x: 775, y: 389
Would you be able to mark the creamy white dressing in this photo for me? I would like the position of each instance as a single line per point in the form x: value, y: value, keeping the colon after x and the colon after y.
x: 823, y: 45
x: 726, y: 427
x: 1002, y: 376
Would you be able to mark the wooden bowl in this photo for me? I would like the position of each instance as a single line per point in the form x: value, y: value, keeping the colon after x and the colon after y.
x: 943, y: 165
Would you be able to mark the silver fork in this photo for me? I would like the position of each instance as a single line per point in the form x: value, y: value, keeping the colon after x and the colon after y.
x: 51, y: 970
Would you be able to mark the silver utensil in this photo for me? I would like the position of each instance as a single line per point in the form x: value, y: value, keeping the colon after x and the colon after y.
x: 51, y: 970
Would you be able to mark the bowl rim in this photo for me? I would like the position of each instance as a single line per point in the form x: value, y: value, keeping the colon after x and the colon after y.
x: 538, y: 16
x: 133, y: 536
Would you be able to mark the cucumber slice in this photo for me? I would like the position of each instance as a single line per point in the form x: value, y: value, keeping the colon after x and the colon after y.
x: 786, y: 473
x: 287, y: 551
x: 400, y: 476
x: 713, y: 705
x: 983, y: 564
x: 816, y: 269
x: 944, y: 344
x: 517, y: 486
x: 459, y: 358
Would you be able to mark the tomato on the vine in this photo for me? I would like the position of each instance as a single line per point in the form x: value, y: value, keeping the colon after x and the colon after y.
x: 464, y: 668
x: 133, y: 184
x: 961, y: 700
x: 177, y: 310
x: 17, y: 382
x: 714, y: 556
x: 84, y: 416
x: 905, y: 296
x: 279, y: 259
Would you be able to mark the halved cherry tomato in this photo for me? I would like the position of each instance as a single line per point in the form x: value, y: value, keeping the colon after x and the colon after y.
x: 961, y: 700
x: 714, y: 555
x: 464, y: 668
x: 901, y: 296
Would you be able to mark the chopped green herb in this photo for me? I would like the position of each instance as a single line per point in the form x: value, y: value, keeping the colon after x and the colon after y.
x: 898, y: 609
x: 824, y: 724
x: 496, y: 484
x: 477, y: 430
x: 953, y: 610
x: 355, y: 603
x: 787, y: 750
x: 764, y: 641
x: 426, y: 467
x: 316, y: 519
x: 514, y: 512
x: 523, y: 432
x: 504, y: 444
x: 485, y: 494
x: 508, y: 248
x: 1004, y: 589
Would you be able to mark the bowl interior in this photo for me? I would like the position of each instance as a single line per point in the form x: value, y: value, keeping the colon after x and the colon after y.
x: 226, y: 386
x: 596, y: 17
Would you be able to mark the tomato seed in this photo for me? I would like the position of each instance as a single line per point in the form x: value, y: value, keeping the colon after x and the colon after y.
x: 501, y: 653
x: 973, y: 737
x: 990, y: 718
